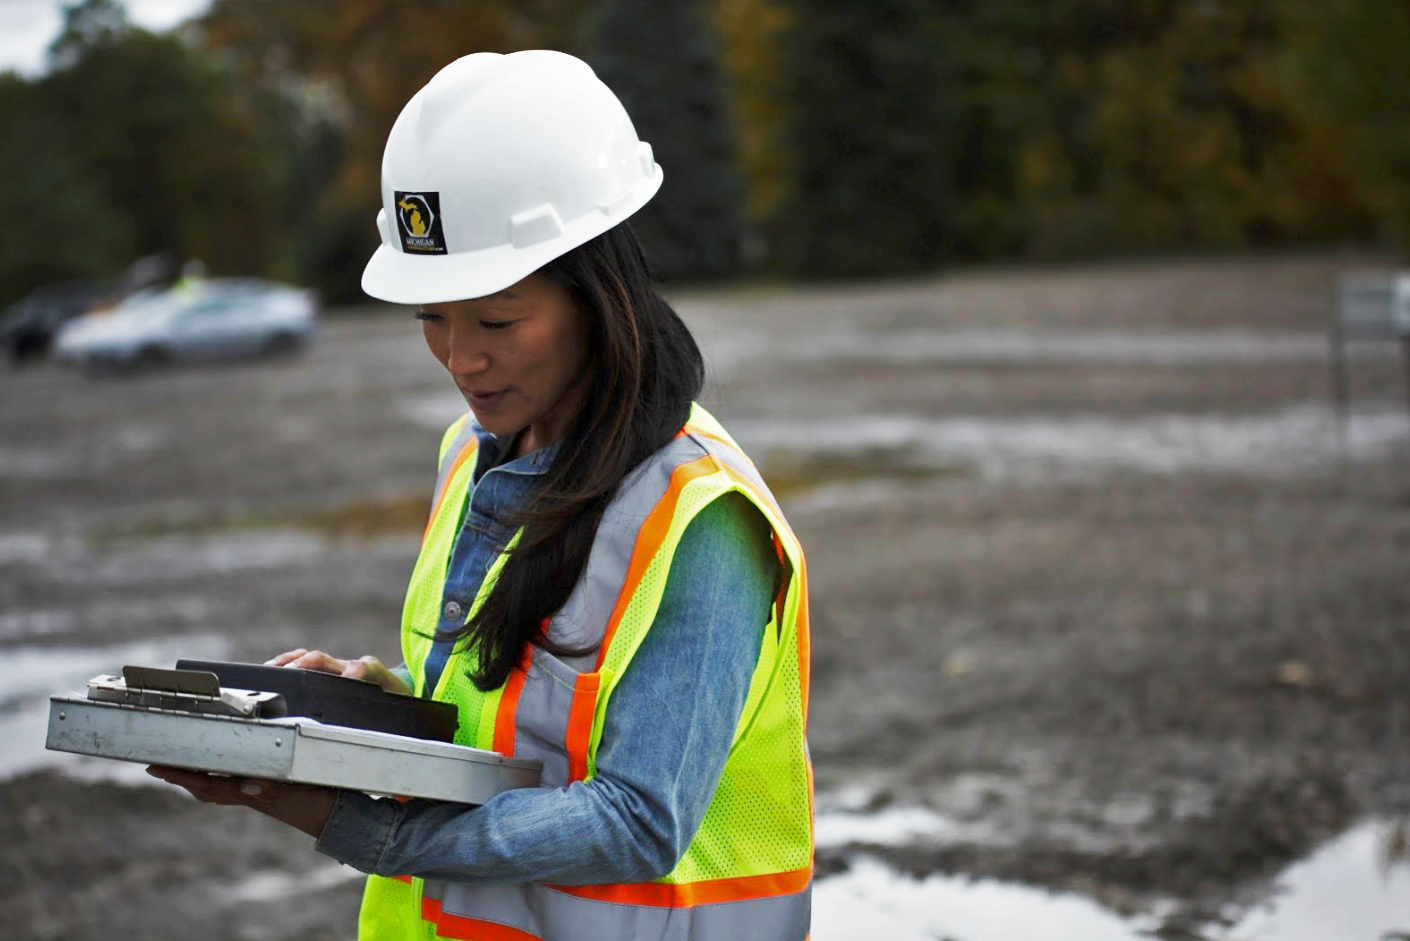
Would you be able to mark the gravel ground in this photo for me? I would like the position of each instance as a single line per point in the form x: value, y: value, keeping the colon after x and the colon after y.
x: 1089, y: 572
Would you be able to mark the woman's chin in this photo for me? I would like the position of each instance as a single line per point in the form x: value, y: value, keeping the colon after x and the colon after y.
x: 498, y: 425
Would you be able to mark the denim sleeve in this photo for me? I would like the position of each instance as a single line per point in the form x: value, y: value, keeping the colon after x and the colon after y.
x: 666, y: 737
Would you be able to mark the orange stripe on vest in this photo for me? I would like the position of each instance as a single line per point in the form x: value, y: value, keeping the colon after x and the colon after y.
x: 460, y: 459
x: 649, y: 539
x: 509, y: 703
x: 470, y: 929
x: 580, y: 716
x: 690, y: 894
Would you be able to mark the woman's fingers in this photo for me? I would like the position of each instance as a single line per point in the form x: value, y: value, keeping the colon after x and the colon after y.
x: 363, y: 668
x: 207, y: 788
x: 304, y: 659
x: 310, y: 660
x: 303, y: 806
x: 375, y: 671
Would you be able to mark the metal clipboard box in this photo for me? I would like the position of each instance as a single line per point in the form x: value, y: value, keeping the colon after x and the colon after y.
x: 163, y: 727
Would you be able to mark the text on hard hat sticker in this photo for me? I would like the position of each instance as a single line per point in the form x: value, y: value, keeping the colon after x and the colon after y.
x: 419, y: 223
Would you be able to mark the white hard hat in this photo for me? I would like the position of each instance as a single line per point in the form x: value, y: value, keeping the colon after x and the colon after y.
x: 499, y: 165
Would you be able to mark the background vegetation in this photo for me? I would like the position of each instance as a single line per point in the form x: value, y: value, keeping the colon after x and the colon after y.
x: 805, y: 138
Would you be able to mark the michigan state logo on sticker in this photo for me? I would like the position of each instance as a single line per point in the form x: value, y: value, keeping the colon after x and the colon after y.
x: 419, y: 223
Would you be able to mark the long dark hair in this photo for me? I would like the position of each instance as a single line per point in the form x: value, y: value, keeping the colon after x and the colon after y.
x: 644, y: 370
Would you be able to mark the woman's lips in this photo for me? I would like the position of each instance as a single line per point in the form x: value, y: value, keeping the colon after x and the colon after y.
x: 484, y: 399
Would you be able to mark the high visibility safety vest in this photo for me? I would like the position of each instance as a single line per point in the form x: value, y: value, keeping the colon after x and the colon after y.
x: 747, y: 873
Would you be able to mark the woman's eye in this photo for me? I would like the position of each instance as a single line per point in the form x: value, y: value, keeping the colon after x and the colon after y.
x: 425, y: 315
x: 495, y: 324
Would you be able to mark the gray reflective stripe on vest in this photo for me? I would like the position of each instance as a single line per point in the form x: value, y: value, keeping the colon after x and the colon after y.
x: 583, y: 618
x: 544, y: 912
x: 541, y: 718
x: 462, y: 437
x: 741, y: 465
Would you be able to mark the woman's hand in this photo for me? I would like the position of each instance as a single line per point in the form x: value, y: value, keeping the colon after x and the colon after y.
x: 363, y: 668
x: 302, y: 806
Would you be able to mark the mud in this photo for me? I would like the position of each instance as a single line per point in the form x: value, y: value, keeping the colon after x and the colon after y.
x: 1094, y: 582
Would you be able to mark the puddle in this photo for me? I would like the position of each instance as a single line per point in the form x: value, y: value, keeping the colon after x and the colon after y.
x: 24, y: 547
x: 32, y: 464
x: 33, y: 674
x: 17, y: 625
x: 896, y: 826
x: 1081, y: 348
x: 1354, y: 886
x: 97, y: 451
x: 364, y: 519
x: 1280, y: 442
x: 274, y: 886
x: 872, y: 901
x: 941, y: 347
x: 115, y: 617
x: 176, y: 557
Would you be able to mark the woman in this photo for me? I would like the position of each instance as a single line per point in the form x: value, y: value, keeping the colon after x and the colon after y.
x: 605, y: 583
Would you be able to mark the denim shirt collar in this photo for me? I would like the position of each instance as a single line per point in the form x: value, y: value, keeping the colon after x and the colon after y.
x: 492, y: 448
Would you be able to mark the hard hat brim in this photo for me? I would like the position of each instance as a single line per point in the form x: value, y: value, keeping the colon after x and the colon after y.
x: 402, y: 278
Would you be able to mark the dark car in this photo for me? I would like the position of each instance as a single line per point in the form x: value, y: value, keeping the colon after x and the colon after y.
x: 28, y: 326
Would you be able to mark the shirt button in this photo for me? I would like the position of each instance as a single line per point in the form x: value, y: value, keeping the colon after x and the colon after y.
x: 453, y: 611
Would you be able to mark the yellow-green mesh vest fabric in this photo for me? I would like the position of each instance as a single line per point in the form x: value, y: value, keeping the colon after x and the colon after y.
x: 759, y: 824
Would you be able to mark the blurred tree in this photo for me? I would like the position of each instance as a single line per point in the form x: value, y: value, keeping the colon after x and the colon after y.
x: 871, y: 137
x: 363, y: 59
x: 752, y: 33
x: 1190, y: 138
x: 88, y: 25
x: 61, y: 226
x: 140, y: 145
x: 663, y: 61
x: 176, y: 147
x: 1348, y: 60
x: 1111, y: 126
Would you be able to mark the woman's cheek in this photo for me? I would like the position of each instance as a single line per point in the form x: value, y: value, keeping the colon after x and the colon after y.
x: 434, y: 342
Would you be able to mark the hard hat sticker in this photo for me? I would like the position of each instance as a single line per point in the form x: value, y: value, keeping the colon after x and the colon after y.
x: 419, y: 223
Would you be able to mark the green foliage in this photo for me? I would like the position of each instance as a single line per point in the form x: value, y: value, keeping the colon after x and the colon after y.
x: 1173, y: 129
x: 187, y: 157
x: 876, y: 136
x: 872, y: 134
x: 752, y: 33
x: 1059, y: 128
x: 1349, y: 61
x: 143, y: 145
x: 60, y: 225
x: 662, y: 60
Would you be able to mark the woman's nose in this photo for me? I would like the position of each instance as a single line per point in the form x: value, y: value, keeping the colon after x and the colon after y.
x: 464, y: 355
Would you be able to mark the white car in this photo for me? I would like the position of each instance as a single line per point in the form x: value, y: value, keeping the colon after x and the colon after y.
x: 217, y: 318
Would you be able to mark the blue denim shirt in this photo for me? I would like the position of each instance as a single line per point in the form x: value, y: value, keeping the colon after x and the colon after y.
x: 483, y: 533
x: 666, y: 736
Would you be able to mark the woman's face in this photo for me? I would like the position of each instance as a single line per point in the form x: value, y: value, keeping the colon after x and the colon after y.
x: 519, y: 357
